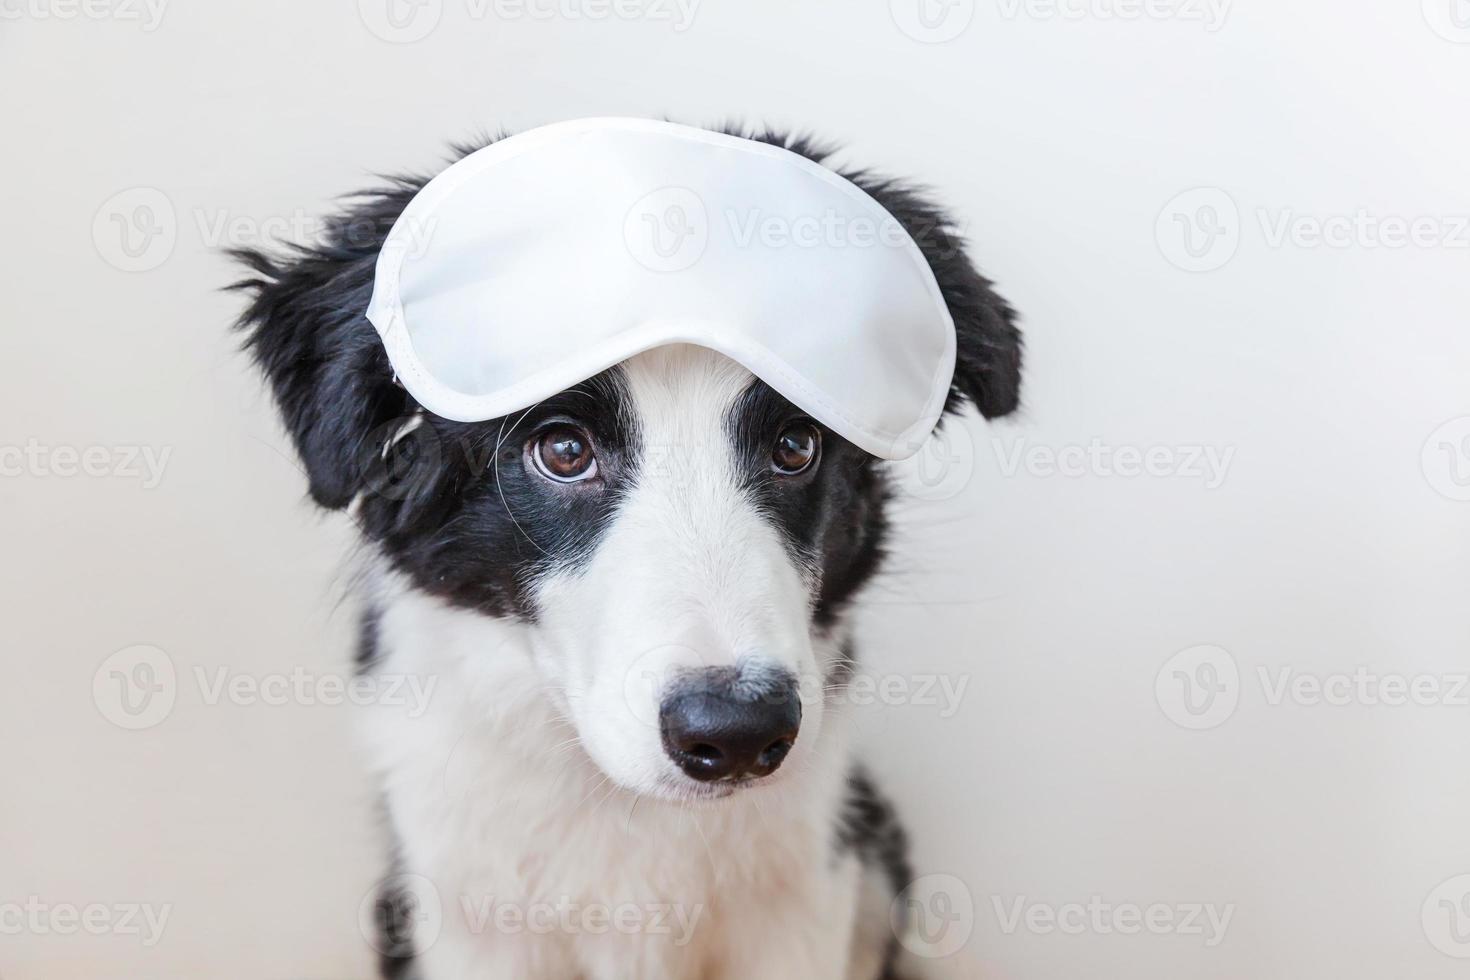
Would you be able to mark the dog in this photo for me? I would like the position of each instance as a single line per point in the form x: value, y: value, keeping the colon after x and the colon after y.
x: 635, y: 599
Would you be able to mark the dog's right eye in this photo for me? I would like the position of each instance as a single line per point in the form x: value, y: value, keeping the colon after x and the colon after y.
x: 796, y: 449
x: 564, y: 455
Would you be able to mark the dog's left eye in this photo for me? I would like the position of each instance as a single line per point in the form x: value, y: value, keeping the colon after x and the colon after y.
x: 796, y: 449
x: 564, y: 455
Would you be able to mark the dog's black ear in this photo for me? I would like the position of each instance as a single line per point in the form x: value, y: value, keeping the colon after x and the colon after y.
x: 987, y: 368
x: 305, y: 327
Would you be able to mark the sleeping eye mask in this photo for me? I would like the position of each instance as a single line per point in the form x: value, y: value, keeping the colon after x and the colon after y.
x: 547, y: 257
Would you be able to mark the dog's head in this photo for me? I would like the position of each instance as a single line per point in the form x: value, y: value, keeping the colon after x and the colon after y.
x: 678, y: 539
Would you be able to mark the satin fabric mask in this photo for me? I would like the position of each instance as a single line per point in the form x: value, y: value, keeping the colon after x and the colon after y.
x: 547, y: 257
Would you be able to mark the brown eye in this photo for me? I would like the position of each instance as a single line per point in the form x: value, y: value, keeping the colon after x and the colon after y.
x: 564, y: 454
x: 796, y: 449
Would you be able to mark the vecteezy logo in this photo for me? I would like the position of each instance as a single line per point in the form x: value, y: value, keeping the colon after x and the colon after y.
x: 1450, y: 19
x: 649, y: 676
x: 932, y: 21
x: 400, y: 21
x: 934, y: 916
x: 1199, y: 687
x: 942, y: 467
x: 402, y: 916
x: 1445, y: 459
x: 667, y: 230
x: 1199, y: 230
x: 400, y: 457
x: 136, y: 687
x: 135, y: 230
x: 1446, y: 917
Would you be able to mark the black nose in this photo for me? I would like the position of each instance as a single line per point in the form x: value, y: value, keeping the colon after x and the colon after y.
x: 721, y: 724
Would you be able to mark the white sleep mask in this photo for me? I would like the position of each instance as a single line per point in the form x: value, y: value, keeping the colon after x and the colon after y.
x: 547, y: 257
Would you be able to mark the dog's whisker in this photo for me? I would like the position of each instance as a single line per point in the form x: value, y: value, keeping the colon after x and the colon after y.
x: 709, y: 852
x: 598, y: 786
x: 499, y: 489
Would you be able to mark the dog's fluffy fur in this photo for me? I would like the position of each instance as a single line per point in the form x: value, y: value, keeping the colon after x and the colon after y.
x: 535, y: 786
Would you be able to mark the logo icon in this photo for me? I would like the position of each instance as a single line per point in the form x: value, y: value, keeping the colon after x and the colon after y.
x: 1446, y: 917
x: 1199, y: 230
x: 667, y: 230
x: 401, y: 916
x: 934, y: 916
x: 135, y: 688
x: 135, y: 230
x: 400, y: 21
x: 932, y: 21
x: 942, y: 467
x: 1199, y: 687
x: 648, y: 678
x: 1450, y: 19
x: 1445, y: 459
x: 400, y: 458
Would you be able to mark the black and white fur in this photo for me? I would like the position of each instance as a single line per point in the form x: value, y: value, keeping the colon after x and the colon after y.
x: 553, y: 615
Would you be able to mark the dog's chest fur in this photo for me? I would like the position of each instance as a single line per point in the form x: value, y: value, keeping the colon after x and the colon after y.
x: 490, y: 798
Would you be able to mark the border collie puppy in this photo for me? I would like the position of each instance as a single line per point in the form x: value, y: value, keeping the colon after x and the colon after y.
x: 633, y: 602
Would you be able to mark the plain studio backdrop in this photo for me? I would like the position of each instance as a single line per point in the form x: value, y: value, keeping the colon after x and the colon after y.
x: 1200, y: 606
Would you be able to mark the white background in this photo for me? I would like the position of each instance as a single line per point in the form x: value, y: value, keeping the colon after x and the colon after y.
x: 1337, y: 539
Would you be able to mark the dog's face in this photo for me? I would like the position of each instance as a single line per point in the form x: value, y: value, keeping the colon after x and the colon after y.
x: 678, y: 540
x: 710, y: 530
